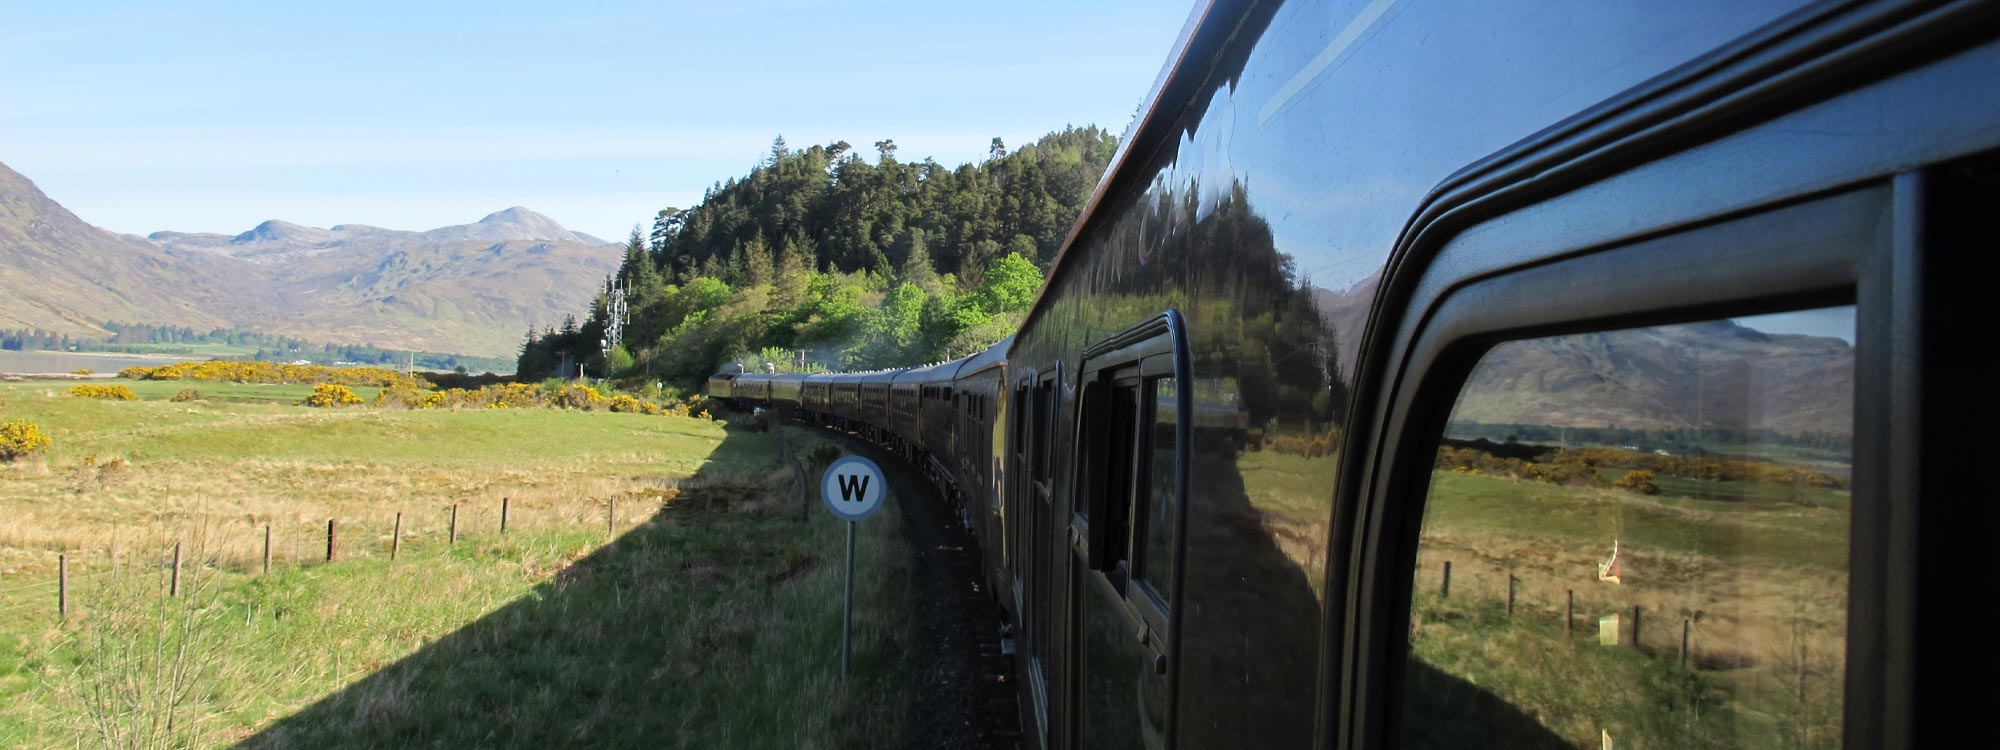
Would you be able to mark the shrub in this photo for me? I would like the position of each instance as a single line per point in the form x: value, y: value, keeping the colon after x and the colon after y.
x: 107, y: 392
x: 20, y: 439
x: 327, y: 395
x: 625, y: 404
x: 581, y: 397
x: 80, y: 371
x: 186, y: 395
x: 1640, y: 481
x: 271, y: 372
x: 401, y: 397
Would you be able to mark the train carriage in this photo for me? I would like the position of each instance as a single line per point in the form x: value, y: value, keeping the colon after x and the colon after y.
x: 787, y: 390
x: 977, y: 392
x: 751, y: 388
x: 1438, y: 375
x: 874, y: 414
x: 816, y: 397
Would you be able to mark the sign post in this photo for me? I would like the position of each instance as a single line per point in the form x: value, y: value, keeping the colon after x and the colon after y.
x: 852, y: 490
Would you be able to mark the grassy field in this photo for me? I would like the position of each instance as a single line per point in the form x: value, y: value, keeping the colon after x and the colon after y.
x: 706, y: 615
x: 1760, y: 584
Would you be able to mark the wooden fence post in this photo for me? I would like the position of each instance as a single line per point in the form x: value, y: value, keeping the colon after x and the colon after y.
x: 1510, y: 594
x: 267, y: 549
x: 62, y: 586
x: 1687, y: 624
x: 1569, y: 615
x: 332, y: 550
x: 396, y: 541
x: 611, y: 518
x: 1444, y: 588
x: 1635, y: 626
x: 454, y: 524
x: 503, y: 515
x: 174, y: 585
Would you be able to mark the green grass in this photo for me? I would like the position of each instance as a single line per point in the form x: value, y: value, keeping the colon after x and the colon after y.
x: 1761, y: 583
x: 1482, y: 678
x: 1773, y: 533
x: 711, y: 620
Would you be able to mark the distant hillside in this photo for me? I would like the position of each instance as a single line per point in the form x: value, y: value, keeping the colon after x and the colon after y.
x: 1712, y: 374
x: 468, y: 289
x: 61, y: 274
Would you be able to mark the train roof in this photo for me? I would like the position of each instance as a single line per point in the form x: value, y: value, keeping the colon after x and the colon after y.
x: 931, y: 373
x: 994, y: 356
x: 1206, y: 30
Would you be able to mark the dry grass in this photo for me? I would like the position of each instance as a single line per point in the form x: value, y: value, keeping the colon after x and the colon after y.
x: 701, y: 620
x: 1766, y: 618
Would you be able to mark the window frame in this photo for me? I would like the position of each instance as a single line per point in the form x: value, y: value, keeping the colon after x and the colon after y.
x: 1153, y: 349
x: 1825, y: 251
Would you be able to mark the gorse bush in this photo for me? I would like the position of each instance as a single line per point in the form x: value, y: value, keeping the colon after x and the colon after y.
x: 80, y: 371
x: 1638, y: 480
x: 185, y: 395
x: 20, y: 439
x: 557, y: 395
x: 106, y: 392
x: 329, y: 395
x: 219, y: 371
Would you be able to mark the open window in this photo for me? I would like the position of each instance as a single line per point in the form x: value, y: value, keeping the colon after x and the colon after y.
x: 1126, y: 528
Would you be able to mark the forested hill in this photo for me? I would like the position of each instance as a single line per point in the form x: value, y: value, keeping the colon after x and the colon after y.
x: 857, y: 263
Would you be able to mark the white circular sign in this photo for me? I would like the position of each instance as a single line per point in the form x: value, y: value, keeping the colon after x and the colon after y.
x: 853, y: 488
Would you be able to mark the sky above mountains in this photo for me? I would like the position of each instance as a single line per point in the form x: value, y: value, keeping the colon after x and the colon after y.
x: 217, y: 116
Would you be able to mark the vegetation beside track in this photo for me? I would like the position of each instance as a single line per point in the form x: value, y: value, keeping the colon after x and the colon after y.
x: 705, y: 614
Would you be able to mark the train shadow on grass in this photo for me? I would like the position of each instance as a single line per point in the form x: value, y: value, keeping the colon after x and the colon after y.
x: 598, y: 655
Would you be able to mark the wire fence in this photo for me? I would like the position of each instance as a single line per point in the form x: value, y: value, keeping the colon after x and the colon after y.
x: 266, y: 549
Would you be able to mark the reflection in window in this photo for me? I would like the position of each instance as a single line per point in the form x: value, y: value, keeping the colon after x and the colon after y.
x: 1160, y: 490
x: 1640, y: 536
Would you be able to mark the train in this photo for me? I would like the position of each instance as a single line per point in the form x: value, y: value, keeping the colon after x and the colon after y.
x: 1210, y: 473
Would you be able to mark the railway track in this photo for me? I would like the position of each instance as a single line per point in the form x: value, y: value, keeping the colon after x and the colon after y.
x: 965, y: 686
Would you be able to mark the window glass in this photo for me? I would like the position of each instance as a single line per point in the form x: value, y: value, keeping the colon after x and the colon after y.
x: 1639, y: 538
x: 1157, y: 498
x: 1044, y: 429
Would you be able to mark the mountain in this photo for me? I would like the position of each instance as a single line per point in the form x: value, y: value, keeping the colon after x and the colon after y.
x: 59, y: 273
x: 471, y: 288
x: 1711, y: 374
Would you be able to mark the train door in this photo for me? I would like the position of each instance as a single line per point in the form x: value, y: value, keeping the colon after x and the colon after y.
x: 1041, y: 528
x: 1016, y: 488
x: 1124, y: 532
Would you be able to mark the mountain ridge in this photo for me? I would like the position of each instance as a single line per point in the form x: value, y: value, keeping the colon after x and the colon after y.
x: 469, y: 288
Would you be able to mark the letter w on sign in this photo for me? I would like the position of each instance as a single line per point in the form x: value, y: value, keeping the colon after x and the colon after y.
x: 853, y: 489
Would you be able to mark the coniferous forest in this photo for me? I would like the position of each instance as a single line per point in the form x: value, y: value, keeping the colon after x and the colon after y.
x: 822, y: 259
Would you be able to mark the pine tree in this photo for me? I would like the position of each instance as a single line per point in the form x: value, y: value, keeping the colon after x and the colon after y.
x: 758, y: 266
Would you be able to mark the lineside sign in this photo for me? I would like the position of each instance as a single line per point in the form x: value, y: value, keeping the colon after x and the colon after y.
x: 852, y: 488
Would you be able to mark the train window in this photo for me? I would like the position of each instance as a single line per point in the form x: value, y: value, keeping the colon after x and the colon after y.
x: 1109, y: 443
x: 1045, y: 408
x: 1020, y: 419
x: 1640, y: 537
x: 1157, y: 505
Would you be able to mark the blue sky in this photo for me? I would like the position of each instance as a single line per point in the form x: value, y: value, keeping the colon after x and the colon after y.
x: 215, y: 116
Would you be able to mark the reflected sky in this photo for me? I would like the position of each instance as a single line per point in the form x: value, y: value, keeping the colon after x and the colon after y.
x: 1830, y: 322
